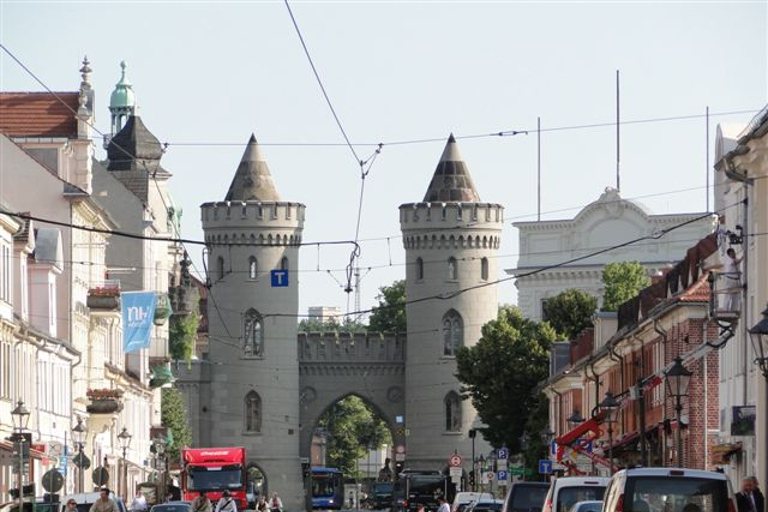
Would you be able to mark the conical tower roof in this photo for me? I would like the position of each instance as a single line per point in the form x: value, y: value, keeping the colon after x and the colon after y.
x: 451, y: 182
x: 252, y: 181
x: 123, y: 96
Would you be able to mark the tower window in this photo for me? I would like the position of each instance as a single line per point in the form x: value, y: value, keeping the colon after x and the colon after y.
x: 252, y: 412
x: 484, y: 269
x: 253, y: 268
x: 284, y: 263
x: 452, y: 412
x: 220, y: 267
x: 253, y: 334
x: 453, y: 333
x: 419, y: 269
x: 453, y: 269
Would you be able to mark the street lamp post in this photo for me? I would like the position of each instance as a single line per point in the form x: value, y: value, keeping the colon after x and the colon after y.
x: 678, y: 380
x: 21, y: 419
x: 481, y: 465
x: 611, y: 407
x: 78, y: 435
x: 472, y: 435
x: 159, y: 445
x: 575, y: 418
x: 124, y: 438
x: 759, y: 336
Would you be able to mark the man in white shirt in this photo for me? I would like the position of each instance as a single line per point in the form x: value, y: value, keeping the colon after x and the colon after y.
x: 444, y: 507
x: 732, y: 276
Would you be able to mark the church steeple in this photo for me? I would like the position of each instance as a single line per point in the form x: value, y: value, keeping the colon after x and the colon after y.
x: 252, y: 181
x: 451, y: 182
x: 122, y: 103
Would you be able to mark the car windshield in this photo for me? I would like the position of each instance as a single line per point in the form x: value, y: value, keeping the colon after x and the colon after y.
x: 322, y: 486
x: 207, y: 479
x: 675, y: 494
x: 426, y: 485
x: 487, y: 507
x: 527, y: 498
x: 570, y: 495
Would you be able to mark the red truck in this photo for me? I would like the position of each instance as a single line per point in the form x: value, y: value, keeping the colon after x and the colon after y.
x: 214, y: 470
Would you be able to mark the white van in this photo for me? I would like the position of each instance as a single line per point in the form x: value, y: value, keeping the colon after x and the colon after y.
x: 462, y: 499
x: 669, y: 490
x: 566, y: 491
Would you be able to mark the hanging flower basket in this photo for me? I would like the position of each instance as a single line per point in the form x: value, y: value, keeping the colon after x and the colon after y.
x: 163, y: 309
x: 104, y: 406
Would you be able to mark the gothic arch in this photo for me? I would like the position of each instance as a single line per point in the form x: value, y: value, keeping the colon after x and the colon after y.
x: 453, y: 333
x: 253, y: 333
x: 452, y: 408
x: 253, y: 413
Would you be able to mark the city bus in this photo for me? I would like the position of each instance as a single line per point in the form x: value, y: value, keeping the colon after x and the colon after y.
x: 327, y: 489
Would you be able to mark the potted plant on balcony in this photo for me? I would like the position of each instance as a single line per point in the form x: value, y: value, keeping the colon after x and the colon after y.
x: 104, y: 400
x: 104, y: 297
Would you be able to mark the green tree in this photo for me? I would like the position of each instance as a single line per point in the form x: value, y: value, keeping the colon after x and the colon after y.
x: 535, y: 425
x: 351, y: 428
x: 500, y: 373
x: 315, y: 325
x: 174, y: 417
x: 182, y: 333
x: 570, y: 312
x: 389, y: 315
x: 622, y: 281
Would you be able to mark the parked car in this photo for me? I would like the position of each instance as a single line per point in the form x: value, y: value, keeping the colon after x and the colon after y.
x: 587, y: 506
x: 462, y: 499
x: 525, y: 497
x: 172, y: 506
x: 84, y: 501
x: 485, y: 505
x: 669, y: 489
x: 566, y: 491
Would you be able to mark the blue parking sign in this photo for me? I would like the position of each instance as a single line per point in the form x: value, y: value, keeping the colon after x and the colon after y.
x: 502, y: 476
x: 503, y: 453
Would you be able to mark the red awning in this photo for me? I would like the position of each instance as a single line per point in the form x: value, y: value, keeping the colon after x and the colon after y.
x: 577, y: 432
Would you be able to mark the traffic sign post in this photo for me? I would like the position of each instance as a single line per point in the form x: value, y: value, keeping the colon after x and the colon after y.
x: 502, y: 476
x: 502, y: 454
x: 545, y: 467
x: 455, y: 460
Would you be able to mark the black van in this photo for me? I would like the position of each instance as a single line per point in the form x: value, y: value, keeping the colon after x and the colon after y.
x: 525, y: 497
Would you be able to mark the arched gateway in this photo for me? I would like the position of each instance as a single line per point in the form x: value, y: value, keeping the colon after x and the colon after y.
x: 264, y: 386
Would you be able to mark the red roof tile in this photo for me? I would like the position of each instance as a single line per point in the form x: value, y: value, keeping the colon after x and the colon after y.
x: 698, y: 292
x: 38, y: 114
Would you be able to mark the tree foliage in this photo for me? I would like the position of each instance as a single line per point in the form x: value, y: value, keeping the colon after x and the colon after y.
x: 570, y: 312
x: 622, y: 281
x: 535, y: 425
x: 389, y: 315
x: 352, y: 429
x: 332, y: 325
x: 174, y: 417
x: 499, y: 374
x: 182, y: 335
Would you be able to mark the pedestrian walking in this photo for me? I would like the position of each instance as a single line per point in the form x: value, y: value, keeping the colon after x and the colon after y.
x: 745, y: 499
x: 261, y: 505
x: 275, y: 503
x: 104, y: 503
x: 226, y: 503
x: 201, y: 504
x: 139, y: 503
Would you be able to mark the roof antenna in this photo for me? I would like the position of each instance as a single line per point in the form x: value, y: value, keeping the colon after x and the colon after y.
x: 618, y: 136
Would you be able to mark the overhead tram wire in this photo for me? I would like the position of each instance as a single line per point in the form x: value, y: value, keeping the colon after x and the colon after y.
x: 360, y: 162
x: 502, y: 133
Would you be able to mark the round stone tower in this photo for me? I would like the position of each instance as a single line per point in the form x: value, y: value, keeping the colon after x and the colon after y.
x: 451, y: 239
x: 253, y: 256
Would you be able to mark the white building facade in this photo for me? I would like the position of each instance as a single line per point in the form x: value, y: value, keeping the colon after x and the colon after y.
x: 609, y: 221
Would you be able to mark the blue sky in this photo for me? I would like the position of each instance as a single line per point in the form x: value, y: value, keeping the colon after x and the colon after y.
x: 214, y: 72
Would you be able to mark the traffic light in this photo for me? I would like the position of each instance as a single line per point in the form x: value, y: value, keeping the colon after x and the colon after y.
x: 472, y: 479
x: 398, y: 467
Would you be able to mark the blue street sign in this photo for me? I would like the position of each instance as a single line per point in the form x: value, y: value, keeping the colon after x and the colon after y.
x: 279, y: 278
x: 545, y: 467
x: 502, y: 476
x: 63, y: 462
x: 503, y: 453
x: 553, y: 448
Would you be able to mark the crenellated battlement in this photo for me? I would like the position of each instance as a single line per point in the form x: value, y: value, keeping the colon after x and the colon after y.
x: 420, y: 216
x: 442, y: 241
x: 360, y: 347
x: 235, y: 214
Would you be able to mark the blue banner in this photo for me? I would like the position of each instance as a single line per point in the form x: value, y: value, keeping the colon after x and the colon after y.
x: 138, y: 317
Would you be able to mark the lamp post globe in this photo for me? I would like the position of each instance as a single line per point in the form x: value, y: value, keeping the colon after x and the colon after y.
x: 758, y: 334
x: 678, y: 380
x: 78, y: 435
